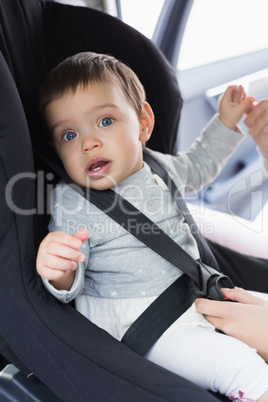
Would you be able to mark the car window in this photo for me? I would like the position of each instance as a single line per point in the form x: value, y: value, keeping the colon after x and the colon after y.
x: 73, y: 2
x: 107, y: 6
x: 221, y: 29
x: 142, y: 14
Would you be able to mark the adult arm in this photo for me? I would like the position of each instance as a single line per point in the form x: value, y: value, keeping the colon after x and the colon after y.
x: 246, y: 320
x: 265, y: 163
x: 257, y: 123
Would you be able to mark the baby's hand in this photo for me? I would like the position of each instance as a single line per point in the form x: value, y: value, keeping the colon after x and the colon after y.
x: 233, y: 104
x: 58, y: 256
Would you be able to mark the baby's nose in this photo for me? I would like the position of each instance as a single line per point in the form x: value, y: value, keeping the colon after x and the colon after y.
x: 90, y: 143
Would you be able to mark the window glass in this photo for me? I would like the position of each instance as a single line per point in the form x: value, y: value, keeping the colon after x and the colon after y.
x: 222, y: 29
x: 142, y: 14
x: 72, y: 2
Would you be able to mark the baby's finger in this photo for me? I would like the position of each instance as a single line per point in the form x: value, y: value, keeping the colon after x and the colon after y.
x: 64, y: 238
x: 63, y: 251
x: 53, y: 262
x: 238, y: 94
x: 54, y: 274
x: 82, y: 234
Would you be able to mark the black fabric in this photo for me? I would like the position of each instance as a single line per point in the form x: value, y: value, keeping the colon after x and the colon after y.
x: 245, y: 271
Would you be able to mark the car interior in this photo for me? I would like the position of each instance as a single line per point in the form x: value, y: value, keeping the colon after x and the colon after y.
x: 48, y: 351
x: 205, y: 65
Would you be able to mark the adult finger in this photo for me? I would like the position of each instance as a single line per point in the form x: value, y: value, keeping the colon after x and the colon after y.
x: 242, y: 296
x: 211, y: 307
x: 254, y: 114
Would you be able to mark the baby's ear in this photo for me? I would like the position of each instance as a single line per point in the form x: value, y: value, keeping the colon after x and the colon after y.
x: 146, y: 122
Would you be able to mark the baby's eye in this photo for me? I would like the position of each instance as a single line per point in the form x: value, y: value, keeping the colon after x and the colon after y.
x: 69, y: 136
x: 106, y: 122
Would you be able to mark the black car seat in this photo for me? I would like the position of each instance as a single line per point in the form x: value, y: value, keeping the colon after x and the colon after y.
x: 70, y: 356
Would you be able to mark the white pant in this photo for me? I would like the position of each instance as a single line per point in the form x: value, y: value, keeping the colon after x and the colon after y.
x: 212, y: 360
x: 190, y: 347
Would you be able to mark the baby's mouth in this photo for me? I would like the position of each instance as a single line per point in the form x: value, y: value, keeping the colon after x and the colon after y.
x: 98, y: 167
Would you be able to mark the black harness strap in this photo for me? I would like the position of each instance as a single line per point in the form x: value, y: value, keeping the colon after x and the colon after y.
x: 140, y: 226
x: 159, y: 316
x: 204, y: 250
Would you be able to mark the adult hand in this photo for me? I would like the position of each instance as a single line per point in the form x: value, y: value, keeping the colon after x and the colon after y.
x: 246, y: 320
x: 257, y: 123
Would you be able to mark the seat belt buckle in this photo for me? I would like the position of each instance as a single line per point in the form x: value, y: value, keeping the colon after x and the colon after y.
x: 210, y: 282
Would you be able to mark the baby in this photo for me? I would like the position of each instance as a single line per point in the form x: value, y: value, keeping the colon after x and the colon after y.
x: 98, y: 121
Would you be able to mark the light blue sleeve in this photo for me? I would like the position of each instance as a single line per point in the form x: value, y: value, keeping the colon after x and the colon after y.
x: 65, y: 296
x: 67, y: 215
x: 205, y: 158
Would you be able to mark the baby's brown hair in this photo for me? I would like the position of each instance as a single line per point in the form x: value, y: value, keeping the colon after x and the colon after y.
x: 86, y: 68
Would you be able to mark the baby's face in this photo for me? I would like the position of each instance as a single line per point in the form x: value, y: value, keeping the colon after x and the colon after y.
x: 97, y: 134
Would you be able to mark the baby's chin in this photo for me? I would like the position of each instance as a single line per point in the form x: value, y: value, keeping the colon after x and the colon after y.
x: 100, y: 184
